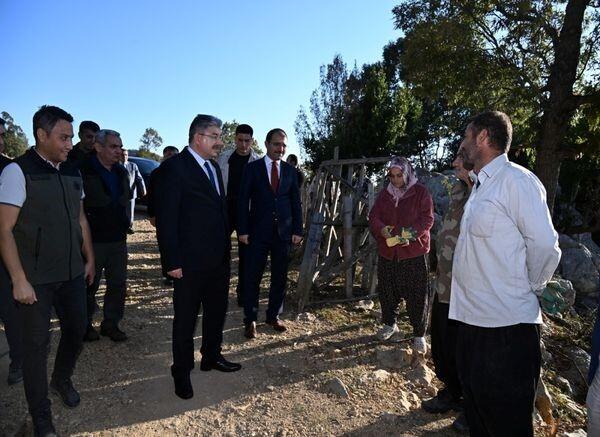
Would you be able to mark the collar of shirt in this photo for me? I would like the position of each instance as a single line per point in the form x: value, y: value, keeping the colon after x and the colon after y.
x: 269, y: 164
x: 491, y: 168
x: 200, y: 160
x: 56, y: 166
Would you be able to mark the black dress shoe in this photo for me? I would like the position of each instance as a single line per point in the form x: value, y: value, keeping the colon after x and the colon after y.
x: 91, y: 334
x: 65, y: 391
x: 43, y: 426
x: 277, y: 325
x: 113, y: 332
x: 442, y: 403
x: 183, y: 386
x: 250, y: 330
x: 220, y: 364
x: 461, y: 425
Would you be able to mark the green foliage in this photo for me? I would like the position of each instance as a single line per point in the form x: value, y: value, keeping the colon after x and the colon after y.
x: 150, y: 141
x: 147, y: 154
x: 15, y: 140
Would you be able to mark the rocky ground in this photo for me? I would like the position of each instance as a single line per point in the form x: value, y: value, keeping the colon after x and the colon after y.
x: 327, y: 375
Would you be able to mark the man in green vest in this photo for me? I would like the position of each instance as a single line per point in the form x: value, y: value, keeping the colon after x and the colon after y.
x: 107, y: 195
x: 46, y: 247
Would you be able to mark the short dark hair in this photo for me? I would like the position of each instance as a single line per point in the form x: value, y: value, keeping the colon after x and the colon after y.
x: 272, y: 132
x: 46, y: 118
x: 201, y: 122
x: 244, y: 129
x: 170, y: 149
x: 498, y: 126
x: 292, y: 157
x: 89, y: 125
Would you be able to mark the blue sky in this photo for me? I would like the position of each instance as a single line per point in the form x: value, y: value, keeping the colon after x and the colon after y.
x: 135, y: 64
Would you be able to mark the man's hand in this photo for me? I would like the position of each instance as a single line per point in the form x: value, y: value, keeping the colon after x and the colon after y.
x: 296, y: 239
x: 244, y: 239
x: 23, y: 292
x: 177, y: 273
x: 89, y: 272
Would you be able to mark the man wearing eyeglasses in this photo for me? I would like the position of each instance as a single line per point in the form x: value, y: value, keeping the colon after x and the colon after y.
x: 269, y: 221
x: 194, y: 240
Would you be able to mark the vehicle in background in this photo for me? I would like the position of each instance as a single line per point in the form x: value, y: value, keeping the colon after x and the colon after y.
x: 146, y: 166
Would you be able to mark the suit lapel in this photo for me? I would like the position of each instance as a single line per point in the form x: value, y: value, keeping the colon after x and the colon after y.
x: 199, y: 174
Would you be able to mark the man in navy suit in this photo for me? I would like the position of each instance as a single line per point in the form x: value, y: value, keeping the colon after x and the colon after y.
x: 193, y: 236
x: 269, y: 221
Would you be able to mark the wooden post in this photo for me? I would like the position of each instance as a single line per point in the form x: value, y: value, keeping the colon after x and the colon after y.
x: 347, y: 232
x: 310, y: 259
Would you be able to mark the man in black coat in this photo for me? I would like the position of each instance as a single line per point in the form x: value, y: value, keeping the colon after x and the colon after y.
x: 193, y: 236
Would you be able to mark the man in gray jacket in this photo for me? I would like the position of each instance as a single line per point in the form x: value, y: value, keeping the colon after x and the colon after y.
x: 232, y: 163
x: 136, y: 183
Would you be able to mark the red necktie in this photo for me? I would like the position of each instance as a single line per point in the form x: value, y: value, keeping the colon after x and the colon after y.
x: 274, y: 177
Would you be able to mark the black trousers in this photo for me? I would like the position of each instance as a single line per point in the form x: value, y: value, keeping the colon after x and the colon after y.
x: 404, y: 279
x: 258, y: 251
x: 443, y: 347
x: 10, y: 318
x: 112, y: 259
x: 68, y: 299
x: 499, y: 369
x: 242, y: 248
x: 209, y: 289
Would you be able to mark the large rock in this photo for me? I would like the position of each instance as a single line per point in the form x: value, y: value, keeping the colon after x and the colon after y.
x: 576, y: 374
x: 395, y: 358
x: 438, y: 185
x: 337, y: 387
x: 577, y: 265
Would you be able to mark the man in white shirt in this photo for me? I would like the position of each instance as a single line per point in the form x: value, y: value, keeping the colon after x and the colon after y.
x: 507, y: 251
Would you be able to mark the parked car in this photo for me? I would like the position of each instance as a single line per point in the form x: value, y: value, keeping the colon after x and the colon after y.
x: 146, y: 166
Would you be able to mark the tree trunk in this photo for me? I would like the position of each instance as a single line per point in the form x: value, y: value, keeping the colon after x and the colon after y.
x: 561, y: 103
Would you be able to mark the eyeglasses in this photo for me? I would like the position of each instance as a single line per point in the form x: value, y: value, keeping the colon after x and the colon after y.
x: 214, y: 137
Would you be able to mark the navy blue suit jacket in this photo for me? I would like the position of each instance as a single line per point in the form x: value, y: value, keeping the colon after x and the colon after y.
x: 191, y: 217
x: 260, y: 209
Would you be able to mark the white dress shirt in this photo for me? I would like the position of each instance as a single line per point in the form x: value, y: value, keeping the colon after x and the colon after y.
x: 201, y: 162
x: 507, y: 249
x: 269, y: 165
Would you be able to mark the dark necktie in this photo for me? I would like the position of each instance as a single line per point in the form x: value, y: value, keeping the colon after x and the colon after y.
x: 478, y: 184
x: 210, y: 175
x: 274, y: 177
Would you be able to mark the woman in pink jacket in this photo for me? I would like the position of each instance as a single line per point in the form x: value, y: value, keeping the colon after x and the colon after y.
x: 400, y: 222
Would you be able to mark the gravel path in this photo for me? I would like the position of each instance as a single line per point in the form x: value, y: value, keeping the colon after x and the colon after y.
x: 282, y: 389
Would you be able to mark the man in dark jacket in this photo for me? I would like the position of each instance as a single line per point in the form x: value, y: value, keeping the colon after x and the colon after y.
x: 85, y: 147
x: 107, y: 195
x: 193, y: 237
x: 43, y: 233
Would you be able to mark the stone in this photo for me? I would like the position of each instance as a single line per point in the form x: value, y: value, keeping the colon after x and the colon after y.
x: 575, y: 374
x: 388, y: 417
x: 337, y: 387
x: 376, y: 376
x: 577, y: 433
x: 403, y: 402
x: 564, y: 385
x: 421, y: 375
x: 306, y: 317
x: 577, y: 265
x: 365, y: 305
x: 395, y: 358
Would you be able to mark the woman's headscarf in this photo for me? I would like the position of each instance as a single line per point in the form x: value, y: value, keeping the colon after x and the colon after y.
x: 408, y: 174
